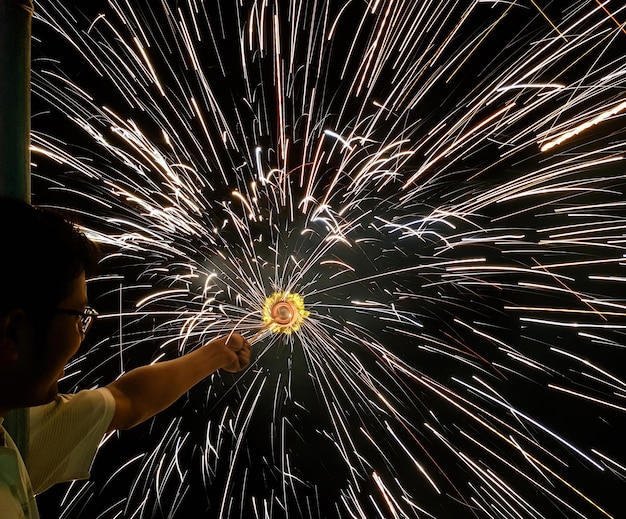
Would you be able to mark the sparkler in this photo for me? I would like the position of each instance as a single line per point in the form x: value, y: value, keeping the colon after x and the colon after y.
x: 284, y: 313
x: 441, y: 183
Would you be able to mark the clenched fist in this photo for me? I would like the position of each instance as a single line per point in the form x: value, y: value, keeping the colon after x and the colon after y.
x: 235, y: 351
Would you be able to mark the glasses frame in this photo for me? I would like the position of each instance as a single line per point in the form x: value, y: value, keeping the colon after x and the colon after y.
x: 87, y: 317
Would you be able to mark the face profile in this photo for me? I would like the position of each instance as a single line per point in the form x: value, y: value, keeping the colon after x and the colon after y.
x: 41, y: 345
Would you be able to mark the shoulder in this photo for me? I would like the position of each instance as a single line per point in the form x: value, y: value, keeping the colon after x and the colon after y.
x: 65, y: 435
x: 92, y: 405
x: 86, y: 397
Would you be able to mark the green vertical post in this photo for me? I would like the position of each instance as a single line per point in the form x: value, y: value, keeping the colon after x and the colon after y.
x: 15, y: 64
x: 15, y: 32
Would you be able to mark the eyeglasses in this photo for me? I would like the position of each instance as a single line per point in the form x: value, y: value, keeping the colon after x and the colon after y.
x: 86, y: 318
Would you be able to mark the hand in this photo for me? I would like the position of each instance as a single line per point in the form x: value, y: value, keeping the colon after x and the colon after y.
x: 236, y: 352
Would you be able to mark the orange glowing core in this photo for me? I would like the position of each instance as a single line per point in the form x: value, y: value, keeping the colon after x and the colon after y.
x: 284, y: 312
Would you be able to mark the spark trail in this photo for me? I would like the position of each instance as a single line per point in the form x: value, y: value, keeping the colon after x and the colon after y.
x: 441, y: 186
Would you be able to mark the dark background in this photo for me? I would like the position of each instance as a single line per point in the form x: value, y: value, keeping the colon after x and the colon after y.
x: 138, y: 470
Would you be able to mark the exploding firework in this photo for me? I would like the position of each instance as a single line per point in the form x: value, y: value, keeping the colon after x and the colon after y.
x: 284, y: 313
x: 442, y: 184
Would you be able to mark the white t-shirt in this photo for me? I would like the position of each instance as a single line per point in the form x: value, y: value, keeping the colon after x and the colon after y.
x: 64, y: 437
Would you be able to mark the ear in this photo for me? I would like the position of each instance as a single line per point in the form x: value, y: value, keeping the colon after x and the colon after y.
x: 10, y: 324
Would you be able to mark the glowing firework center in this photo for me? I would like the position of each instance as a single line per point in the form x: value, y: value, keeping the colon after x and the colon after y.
x: 284, y: 312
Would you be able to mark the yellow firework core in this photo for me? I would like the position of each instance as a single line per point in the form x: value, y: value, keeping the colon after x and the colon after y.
x: 284, y: 312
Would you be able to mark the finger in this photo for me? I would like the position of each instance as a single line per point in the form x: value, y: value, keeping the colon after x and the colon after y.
x: 234, y: 341
x: 241, y: 345
x: 244, y: 357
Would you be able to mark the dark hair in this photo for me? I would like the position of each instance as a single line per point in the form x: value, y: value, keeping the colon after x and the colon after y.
x: 42, y: 254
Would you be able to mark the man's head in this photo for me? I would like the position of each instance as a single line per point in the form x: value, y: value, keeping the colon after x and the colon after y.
x: 42, y: 255
x: 42, y: 271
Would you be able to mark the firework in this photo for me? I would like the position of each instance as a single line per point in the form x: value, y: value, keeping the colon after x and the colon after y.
x: 284, y: 313
x: 441, y: 183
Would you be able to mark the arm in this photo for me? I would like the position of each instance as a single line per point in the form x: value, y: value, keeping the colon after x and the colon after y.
x: 145, y: 391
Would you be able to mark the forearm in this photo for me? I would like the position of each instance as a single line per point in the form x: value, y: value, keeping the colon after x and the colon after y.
x: 145, y: 391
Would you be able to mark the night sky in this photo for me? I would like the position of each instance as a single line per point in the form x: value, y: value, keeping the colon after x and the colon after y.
x: 464, y: 356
